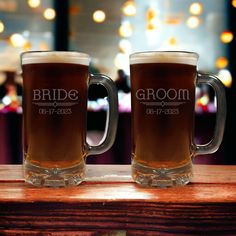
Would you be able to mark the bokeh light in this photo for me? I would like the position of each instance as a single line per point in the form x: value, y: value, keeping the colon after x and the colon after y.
x: 125, y: 46
x: 99, y: 16
x: 221, y: 63
x: 33, y: 3
x: 49, y: 14
x: 2, y: 27
x: 125, y: 29
x: 129, y: 8
x: 204, y: 100
x: 151, y: 14
x: 153, y: 24
x: 43, y: 46
x: 17, y: 40
x: 196, y: 8
x: 173, y: 20
x: 234, y: 3
x: 27, y: 46
x: 121, y: 61
x: 225, y: 77
x: 152, y: 21
x: 193, y: 22
x: 172, y: 41
x: 226, y: 37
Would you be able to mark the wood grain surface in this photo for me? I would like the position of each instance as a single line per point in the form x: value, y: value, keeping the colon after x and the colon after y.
x: 109, y: 203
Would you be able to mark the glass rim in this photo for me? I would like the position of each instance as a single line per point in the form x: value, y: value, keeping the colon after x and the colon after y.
x: 72, y: 57
x: 179, y: 57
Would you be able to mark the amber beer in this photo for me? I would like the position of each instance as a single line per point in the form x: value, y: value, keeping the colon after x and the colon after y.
x: 55, y: 108
x: 50, y: 108
x: 163, y: 101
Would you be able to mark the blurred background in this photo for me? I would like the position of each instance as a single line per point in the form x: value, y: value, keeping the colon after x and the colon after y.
x: 110, y: 31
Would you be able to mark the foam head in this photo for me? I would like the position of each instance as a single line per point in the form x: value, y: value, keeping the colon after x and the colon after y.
x: 35, y: 57
x: 179, y: 57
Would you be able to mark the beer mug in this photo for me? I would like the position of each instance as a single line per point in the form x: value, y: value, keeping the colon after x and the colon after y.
x: 54, y: 116
x: 163, y: 88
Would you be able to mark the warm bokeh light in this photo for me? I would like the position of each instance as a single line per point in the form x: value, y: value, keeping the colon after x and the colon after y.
x: 173, y: 20
x: 121, y: 61
x: 152, y: 20
x: 125, y: 46
x: 193, y: 22
x: 172, y: 41
x: 204, y: 100
x: 33, y: 3
x: 43, y: 46
x: 2, y: 27
x: 221, y: 62
x: 234, y: 3
x: 225, y: 77
x: 27, y: 46
x: 125, y: 29
x: 17, y: 40
x: 49, y: 14
x: 74, y: 9
x: 129, y: 8
x: 196, y: 8
x: 151, y: 14
x: 150, y: 26
x: 226, y: 37
x: 153, y: 24
x: 99, y: 16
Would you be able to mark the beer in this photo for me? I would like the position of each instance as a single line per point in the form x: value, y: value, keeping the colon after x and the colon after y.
x: 55, y: 101
x: 163, y: 98
x: 162, y: 106
x: 55, y: 114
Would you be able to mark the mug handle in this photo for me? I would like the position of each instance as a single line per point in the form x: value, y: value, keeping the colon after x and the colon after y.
x: 111, y: 117
x: 214, y: 144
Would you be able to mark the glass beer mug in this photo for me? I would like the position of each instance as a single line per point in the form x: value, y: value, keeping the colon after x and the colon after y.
x: 54, y: 116
x: 162, y: 102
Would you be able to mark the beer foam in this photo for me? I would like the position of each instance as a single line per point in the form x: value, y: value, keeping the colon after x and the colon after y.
x: 180, y: 57
x: 71, y: 57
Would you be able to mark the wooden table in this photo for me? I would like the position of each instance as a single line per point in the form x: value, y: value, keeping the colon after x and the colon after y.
x: 109, y: 203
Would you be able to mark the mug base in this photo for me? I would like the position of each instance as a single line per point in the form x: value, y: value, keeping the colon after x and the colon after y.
x: 54, y: 177
x: 161, y: 177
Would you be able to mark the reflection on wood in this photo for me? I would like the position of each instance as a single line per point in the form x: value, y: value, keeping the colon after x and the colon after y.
x: 109, y: 203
